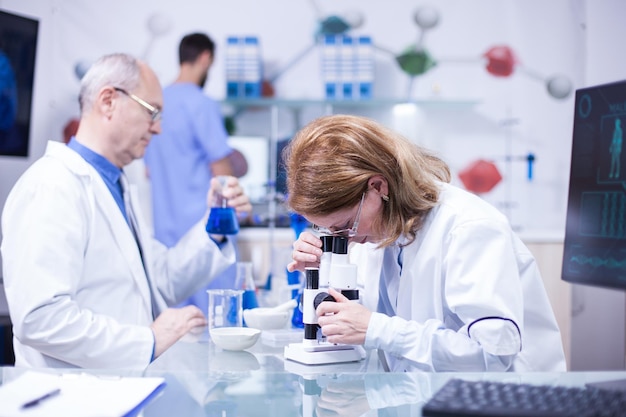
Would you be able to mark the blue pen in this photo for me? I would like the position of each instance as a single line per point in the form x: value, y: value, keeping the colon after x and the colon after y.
x: 37, y: 400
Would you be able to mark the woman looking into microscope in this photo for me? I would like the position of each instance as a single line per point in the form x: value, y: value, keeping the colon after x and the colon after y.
x: 448, y: 285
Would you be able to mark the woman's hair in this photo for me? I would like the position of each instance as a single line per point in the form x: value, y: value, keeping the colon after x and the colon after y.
x: 116, y: 70
x: 330, y: 161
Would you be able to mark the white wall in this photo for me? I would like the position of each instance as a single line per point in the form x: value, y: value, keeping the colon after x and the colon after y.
x: 576, y: 38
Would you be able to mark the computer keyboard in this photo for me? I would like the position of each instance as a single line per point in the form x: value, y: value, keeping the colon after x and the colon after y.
x: 459, y: 398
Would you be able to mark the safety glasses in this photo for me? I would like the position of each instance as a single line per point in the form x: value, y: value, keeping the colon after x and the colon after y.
x: 351, y: 232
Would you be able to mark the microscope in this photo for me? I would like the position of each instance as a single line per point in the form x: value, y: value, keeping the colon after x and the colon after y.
x: 334, y: 272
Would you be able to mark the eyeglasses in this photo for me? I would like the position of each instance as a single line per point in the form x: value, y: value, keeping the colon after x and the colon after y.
x: 155, y: 113
x: 344, y: 232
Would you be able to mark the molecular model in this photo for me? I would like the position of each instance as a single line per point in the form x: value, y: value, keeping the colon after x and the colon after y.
x: 500, y: 59
x: 416, y: 59
x: 327, y: 25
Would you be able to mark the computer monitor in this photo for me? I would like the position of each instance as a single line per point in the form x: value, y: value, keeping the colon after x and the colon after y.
x: 18, y: 45
x: 595, y: 233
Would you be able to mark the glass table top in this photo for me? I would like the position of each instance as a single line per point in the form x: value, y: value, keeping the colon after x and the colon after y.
x: 204, y: 380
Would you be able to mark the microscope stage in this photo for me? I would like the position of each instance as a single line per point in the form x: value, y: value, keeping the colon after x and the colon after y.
x: 323, y: 354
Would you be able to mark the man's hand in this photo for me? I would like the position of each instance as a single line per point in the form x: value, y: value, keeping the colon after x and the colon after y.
x: 233, y: 192
x: 173, y: 324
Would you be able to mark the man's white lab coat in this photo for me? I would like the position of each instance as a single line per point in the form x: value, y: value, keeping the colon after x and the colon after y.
x: 76, y: 286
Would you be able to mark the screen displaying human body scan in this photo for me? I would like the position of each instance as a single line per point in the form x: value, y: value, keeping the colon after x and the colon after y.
x: 595, y: 233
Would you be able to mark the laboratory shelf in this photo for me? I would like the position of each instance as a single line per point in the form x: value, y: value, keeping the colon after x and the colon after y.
x: 347, y: 104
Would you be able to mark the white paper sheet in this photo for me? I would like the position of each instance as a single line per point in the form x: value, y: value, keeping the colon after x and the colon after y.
x: 82, y: 395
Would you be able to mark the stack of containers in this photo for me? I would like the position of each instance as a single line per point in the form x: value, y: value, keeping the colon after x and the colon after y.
x: 243, y: 67
x: 347, y: 67
x: 364, y: 67
x: 330, y: 66
x: 347, y: 63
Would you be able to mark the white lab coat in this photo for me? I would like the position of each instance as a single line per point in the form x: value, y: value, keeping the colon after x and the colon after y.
x: 468, y: 297
x: 77, y: 291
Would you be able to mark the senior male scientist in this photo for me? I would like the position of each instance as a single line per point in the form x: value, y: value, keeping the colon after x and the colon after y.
x: 85, y: 284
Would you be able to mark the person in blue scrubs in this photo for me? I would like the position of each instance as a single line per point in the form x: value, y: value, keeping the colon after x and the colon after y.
x: 191, y: 148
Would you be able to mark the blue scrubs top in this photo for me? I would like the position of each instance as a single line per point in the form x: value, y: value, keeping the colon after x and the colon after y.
x: 192, y: 137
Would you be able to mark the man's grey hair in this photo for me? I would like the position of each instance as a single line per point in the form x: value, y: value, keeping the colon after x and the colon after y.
x: 115, y: 70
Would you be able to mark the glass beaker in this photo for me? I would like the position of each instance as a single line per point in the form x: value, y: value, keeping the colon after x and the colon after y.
x: 222, y: 218
x: 225, y: 308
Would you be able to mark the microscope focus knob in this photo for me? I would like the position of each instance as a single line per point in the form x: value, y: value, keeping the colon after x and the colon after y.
x: 321, y: 297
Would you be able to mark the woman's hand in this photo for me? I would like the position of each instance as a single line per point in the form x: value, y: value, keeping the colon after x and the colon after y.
x: 306, y: 252
x: 343, y: 321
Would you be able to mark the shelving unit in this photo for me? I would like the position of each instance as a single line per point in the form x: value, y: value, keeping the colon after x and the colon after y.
x: 330, y: 105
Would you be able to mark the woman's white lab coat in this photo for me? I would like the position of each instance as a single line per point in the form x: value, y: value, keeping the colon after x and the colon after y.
x: 76, y: 287
x: 466, y: 295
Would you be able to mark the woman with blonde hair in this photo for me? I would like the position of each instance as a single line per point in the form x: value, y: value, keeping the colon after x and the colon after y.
x: 448, y: 286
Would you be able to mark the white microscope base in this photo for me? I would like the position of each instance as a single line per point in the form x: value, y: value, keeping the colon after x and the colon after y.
x: 301, y: 353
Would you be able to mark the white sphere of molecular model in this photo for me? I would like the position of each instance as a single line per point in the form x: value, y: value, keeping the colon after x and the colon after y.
x: 426, y: 17
x: 559, y: 86
x: 354, y: 19
x: 159, y: 24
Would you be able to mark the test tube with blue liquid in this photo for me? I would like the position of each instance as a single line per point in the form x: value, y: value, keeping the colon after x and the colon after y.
x: 222, y: 218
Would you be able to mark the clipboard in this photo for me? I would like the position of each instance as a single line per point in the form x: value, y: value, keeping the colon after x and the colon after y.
x: 79, y: 395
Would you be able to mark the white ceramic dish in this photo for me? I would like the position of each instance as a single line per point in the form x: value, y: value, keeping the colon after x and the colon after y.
x: 266, y: 318
x: 234, y: 338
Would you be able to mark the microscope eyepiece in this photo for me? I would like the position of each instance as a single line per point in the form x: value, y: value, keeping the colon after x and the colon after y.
x: 340, y: 245
x: 327, y: 243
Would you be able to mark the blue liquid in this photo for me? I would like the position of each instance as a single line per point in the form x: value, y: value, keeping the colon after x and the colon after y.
x: 298, y: 223
x: 292, y: 279
x: 222, y: 221
x: 232, y: 315
x: 297, y: 318
x: 249, y: 299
